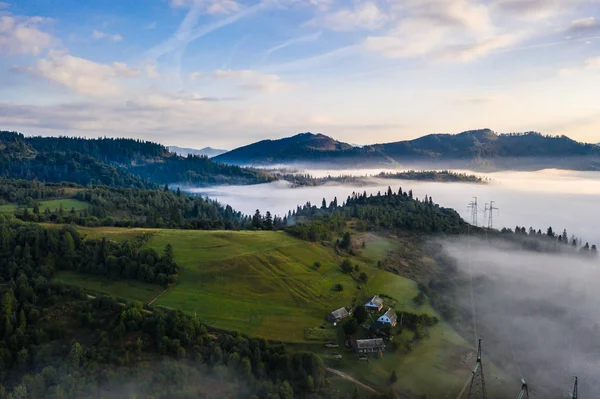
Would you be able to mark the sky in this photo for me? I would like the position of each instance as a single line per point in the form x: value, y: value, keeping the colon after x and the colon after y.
x: 225, y: 73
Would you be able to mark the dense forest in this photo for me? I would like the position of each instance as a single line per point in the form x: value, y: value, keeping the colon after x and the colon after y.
x: 112, y: 162
x: 33, y: 247
x: 115, y: 349
x: 433, y: 175
x: 122, y: 207
x: 390, y: 210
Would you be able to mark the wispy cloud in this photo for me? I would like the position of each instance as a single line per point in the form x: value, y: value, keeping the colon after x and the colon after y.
x: 591, y: 64
x: 22, y: 35
x: 479, y: 49
x: 4, y: 5
x: 115, y: 37
x: 254, y: 80
x: 80, y: 75
x: 302, y: 39
x: 362, y: 16
x: 316, y: 60
x: 233, y: 52
x: 210, y: 6
x: 583, y: 27
x: 532, y: 9
x: 188, y: 32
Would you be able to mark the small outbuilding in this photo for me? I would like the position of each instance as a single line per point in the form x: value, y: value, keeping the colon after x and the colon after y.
x: 375, y: 304
x: 369, y: 345
x: 338, y: 315
x: 389, y: 317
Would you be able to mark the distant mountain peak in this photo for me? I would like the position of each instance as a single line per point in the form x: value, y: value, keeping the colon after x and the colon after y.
x: 207, y: 151
x: 466, y: 149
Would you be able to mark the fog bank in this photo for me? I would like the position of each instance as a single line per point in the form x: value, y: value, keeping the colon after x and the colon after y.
x: 537, y: 313
x: 554, y: 198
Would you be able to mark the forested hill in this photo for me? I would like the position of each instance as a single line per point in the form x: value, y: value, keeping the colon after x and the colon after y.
x: 477, y: 149
x: 113, y: 162
x: 304, y: 147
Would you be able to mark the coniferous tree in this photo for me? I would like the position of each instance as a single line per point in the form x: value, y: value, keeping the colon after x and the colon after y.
x: 268, y: 221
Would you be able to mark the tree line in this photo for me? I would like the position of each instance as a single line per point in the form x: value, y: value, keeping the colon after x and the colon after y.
x: 112, y: 162
x: 390, y: 210
x: 27, y: 246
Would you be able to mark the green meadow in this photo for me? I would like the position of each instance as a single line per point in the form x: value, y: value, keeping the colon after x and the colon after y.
x: 53, y: 205
x: 266, y: 284
x: 261, y: 283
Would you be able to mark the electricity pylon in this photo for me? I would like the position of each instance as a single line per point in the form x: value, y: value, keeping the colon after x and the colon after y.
x: 474, y: 210
x: 477, y: 388
x: 524, y: 394
x: 491, y: 208
x: 574, y: 393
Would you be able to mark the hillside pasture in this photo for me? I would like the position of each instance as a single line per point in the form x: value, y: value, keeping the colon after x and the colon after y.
x: 258, y: 282
x: 266, y: 284
x: 53, y: 205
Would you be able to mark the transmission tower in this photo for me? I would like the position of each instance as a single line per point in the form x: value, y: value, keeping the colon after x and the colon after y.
x: 474, y: 211
x: 477, y: 388
x: 524, y: 394
x: 490, y: 208
x: 574, y: 393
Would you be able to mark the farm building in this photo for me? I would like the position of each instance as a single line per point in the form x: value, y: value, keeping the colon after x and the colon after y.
x: 338, y: 315
x: 375, y: 304
x: 390, y: 317
x: 369, y: 345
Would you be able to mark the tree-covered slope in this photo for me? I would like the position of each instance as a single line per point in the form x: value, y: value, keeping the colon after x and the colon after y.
x: 113, y: 162
x: 304, y: 147
x: 475, y: 148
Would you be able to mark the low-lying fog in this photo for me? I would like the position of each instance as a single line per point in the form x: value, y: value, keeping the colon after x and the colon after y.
x: 537, y: 313
x: 561, y: 199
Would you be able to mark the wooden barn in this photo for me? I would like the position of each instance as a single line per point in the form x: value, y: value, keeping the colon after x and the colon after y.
x: 338, y: 315
x: 369, y: 345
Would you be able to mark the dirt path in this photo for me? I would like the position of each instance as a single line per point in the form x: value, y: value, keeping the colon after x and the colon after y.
x: 351, y: 379
x: 158, y: 296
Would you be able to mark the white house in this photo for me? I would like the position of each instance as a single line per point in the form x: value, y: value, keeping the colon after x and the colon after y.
x: 390, y: 317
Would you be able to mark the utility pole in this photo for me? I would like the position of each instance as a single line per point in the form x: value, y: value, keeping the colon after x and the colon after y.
x: 474, y: 211
x: 574, y: 394
x: 477, y: 388
x: 524, y: 394
x: 491, y: 208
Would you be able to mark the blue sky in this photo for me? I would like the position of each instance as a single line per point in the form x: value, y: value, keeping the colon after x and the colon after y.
x: 227, y: 72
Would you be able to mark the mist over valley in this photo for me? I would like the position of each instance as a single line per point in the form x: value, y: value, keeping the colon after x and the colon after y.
x: 556, y: 198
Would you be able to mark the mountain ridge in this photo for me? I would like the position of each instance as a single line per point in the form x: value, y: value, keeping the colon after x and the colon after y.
x: 112, y: 162
x: 478, y: 149
x: 206, y: 151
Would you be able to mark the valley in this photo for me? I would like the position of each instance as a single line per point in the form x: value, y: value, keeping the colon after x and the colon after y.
x: 178, y: 271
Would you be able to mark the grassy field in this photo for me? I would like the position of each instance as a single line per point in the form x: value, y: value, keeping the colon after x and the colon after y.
x: 127, y: 290
x: 53, y: 205
x: 265, y: 284
x: 262, y: 283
